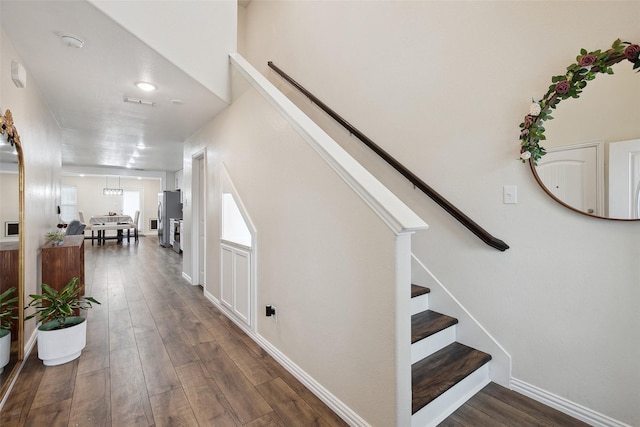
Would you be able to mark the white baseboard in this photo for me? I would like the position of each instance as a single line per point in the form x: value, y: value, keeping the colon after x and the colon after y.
x: 31, y: 342
x: 336, y: 405
x: 343, y: 411
x: 577, y: 411
x: 187, y: 278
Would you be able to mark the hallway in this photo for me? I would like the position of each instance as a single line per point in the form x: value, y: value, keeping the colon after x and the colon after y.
x: 158, y: 353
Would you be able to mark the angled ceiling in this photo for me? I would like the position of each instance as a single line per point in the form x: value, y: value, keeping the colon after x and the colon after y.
x: 85, y: 87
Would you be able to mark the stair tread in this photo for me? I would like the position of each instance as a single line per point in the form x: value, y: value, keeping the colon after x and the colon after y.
x: 417, y: 290
x: 428, y: 323
x: 434, y: 375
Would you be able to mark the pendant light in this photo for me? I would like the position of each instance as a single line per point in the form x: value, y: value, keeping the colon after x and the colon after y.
x: 112, y: 191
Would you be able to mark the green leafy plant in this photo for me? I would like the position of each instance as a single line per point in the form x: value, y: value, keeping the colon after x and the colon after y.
x: 57, y: 306
x: 7, y: 308
x: 570, y: 85
x: 55, y: 236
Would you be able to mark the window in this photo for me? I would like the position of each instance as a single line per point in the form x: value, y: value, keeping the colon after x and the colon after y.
x: 68, y: 203
x: 131, y: 202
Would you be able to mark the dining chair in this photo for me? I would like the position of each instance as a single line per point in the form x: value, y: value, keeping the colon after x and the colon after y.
x: 81, y: 217
x: 75, y: 228
x: 134, y: 225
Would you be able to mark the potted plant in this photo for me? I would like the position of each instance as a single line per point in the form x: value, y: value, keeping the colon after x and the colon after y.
x: 62, y: 334
x: 7, y: 316
x: 56, y: 237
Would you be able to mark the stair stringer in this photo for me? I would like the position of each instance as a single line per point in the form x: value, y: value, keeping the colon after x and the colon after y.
x: 469, y: 331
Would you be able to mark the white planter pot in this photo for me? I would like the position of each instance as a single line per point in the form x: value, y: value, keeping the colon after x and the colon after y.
x: 59, y: 346
x: 5, y: 349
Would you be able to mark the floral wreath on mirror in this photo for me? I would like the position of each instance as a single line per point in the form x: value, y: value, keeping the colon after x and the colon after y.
x: 570, y: 85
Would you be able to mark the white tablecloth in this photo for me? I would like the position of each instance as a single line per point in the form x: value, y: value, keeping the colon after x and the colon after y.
x: 105, y: 219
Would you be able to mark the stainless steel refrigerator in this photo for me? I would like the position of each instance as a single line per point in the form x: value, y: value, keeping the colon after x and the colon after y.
x: 169, y: 206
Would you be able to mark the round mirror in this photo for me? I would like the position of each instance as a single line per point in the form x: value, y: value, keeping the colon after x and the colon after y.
x: 590, y: 161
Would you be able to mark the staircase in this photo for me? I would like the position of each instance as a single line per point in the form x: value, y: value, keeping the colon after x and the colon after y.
x: 445, y: 373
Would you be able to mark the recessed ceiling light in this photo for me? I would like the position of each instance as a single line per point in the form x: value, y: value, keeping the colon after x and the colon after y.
x: 146, y: 86
x: 72, y: 41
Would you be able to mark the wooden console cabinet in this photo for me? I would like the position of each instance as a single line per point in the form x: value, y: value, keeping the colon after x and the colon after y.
x: 9, y: 275
x: 61, y: 263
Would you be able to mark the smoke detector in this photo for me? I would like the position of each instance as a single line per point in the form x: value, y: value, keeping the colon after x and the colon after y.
x: 72, y: 41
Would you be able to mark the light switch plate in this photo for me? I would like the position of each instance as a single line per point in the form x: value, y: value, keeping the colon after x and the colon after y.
x: 510, y: 194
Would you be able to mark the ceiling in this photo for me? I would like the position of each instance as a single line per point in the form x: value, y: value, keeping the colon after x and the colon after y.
x: 85, y: 87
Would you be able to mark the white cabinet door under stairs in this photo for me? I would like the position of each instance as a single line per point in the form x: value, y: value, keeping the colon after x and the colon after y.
x: 235, y: 272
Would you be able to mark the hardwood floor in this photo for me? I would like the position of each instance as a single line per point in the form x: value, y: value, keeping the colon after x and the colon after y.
x: 159, y: 354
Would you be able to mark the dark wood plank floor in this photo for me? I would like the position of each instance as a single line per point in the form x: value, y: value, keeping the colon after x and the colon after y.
x: 159, y: 354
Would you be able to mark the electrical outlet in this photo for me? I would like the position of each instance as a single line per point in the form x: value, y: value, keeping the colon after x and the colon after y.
x: 271, y: 312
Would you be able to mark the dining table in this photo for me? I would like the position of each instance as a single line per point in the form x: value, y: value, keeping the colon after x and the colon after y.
x: 111, y: 221
x: 106, y: 219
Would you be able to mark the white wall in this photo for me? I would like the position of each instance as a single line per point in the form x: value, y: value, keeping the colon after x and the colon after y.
x: 41, y: 145
x: 443, y: 86
x: 176, y: 28
x: 325, y: 260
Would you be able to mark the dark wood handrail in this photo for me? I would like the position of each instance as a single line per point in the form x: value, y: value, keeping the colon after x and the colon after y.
x: 444, y: 203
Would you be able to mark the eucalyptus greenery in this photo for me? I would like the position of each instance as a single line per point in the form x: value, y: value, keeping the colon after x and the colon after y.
x: 57, y: 306
x: 7, y: 308
x: 570, y: 85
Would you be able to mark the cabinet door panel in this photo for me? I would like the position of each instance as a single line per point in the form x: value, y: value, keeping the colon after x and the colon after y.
x: 242, y: 285
x: 226, y: 267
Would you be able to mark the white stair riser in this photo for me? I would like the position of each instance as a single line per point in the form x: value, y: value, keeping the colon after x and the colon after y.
x: 419, y: 304
x: 433, y: 343
x: 439, y: 409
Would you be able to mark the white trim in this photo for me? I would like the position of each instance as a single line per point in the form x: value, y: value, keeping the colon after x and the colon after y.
x: 396, y: 214
x: 577, y: 411
x: 196, y: 158
x: 335, y: 404
x: 186, y: 277
x: 403, y: 392
x: 432, y: 343
x: 236, y: 245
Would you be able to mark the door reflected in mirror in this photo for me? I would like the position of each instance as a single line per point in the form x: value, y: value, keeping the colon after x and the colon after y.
x: 592, y: 163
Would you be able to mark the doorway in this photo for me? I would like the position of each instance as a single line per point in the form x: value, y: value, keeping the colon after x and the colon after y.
x: 198, y: 243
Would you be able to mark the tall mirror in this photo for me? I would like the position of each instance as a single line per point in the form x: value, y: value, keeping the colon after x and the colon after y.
x: 592, y: 160
x: 11, y: 251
